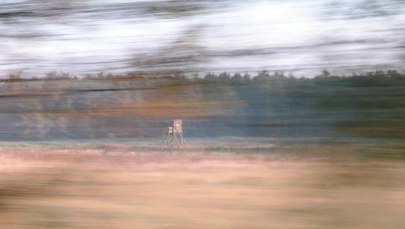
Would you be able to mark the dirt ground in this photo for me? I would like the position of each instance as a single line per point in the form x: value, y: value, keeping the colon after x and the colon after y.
x: 129, y: 187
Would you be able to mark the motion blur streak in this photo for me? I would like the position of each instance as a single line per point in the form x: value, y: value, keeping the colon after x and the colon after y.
x: 302, y: 37
x: 273, y: 105
x: 179, y: 114
x: 65, y: 186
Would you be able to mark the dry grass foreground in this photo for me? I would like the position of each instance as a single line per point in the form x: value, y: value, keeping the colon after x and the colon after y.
x: 85, y: 187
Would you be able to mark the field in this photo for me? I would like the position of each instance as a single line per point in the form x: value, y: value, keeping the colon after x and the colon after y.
x: 235, y: 185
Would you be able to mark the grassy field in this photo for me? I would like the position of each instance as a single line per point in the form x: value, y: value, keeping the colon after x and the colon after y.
x: 201, y: 186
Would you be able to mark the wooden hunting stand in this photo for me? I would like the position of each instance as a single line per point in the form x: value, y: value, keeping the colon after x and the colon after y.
x: 173, y: 137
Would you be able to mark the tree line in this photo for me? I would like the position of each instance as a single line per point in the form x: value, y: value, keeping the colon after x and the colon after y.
x: 265, y: 104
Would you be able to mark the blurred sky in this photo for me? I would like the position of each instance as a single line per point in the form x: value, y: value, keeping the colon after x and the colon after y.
x: 301, y: 37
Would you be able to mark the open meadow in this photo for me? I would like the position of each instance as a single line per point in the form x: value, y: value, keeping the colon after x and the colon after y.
x: 235, y: 185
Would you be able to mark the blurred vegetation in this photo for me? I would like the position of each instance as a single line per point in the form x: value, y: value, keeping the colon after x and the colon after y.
x: 62, y: 106
x: 76, y: 187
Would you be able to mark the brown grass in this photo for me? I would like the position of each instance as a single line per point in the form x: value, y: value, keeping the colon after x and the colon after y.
x: 129, y: 187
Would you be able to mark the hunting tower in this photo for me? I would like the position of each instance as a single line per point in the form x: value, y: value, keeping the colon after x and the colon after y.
x: 174, y: 134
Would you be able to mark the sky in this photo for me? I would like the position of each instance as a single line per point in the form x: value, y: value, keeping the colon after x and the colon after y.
x: 298, y: 37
